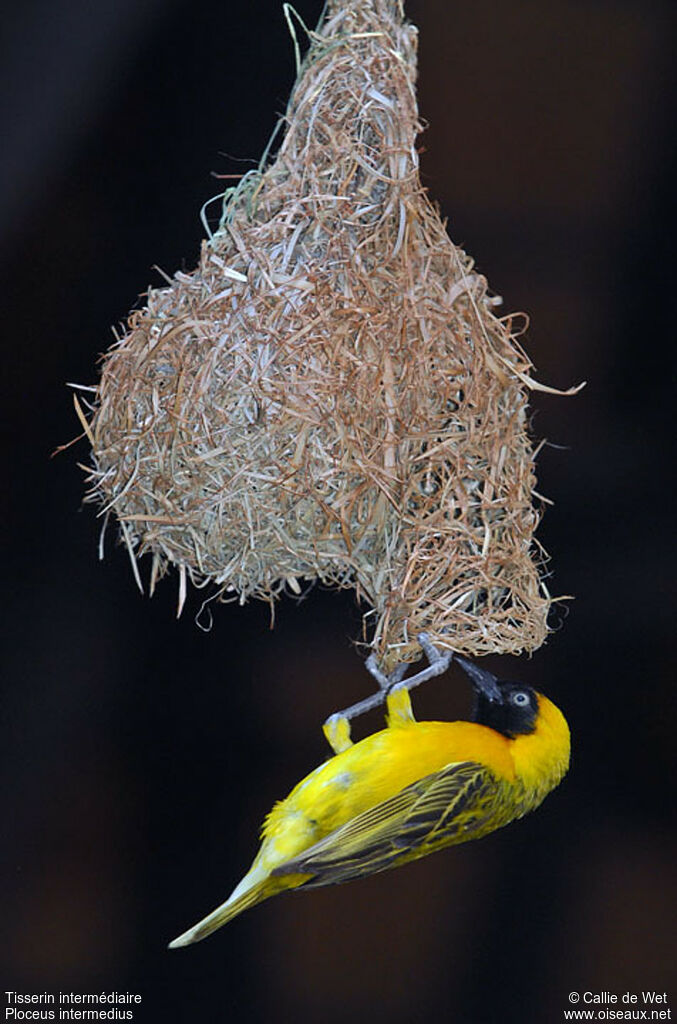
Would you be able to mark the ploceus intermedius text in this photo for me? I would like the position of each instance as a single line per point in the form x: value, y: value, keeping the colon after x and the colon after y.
x: 406, y: 791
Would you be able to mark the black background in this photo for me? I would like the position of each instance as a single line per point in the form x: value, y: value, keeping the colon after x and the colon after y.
x: 140, y: 753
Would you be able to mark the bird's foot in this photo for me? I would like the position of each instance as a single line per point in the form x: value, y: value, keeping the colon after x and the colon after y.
x: 337, y: 726
x: 438, y: 662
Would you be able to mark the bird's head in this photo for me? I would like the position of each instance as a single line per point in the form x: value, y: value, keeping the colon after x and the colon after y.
x: 509, y: 708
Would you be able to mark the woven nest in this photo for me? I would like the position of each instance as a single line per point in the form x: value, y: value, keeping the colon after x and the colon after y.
x: 329, y: 395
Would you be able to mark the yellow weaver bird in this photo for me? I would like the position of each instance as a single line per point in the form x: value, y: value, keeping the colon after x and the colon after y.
x: 406, y: 791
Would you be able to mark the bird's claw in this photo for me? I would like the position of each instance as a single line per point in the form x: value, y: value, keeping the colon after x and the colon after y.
x: 337, y: 726
x: 438, y: 662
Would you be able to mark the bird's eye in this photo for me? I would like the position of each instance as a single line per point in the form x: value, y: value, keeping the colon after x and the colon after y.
x: 521, y: 699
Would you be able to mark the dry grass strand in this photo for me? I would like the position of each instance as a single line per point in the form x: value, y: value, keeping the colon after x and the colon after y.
x: 329, y: 394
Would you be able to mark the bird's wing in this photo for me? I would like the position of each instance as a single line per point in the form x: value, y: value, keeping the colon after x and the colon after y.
x: 447, y: 806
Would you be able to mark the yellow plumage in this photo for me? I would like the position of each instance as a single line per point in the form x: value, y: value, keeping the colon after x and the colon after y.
x: 402, y: 793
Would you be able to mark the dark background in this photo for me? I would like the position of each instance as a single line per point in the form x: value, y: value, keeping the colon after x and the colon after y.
x: 140, y: 753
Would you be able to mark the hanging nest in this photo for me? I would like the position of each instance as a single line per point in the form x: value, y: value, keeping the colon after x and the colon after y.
x: 329, y: 395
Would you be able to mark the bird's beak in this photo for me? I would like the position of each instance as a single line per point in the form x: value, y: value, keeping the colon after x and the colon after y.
x: 484, y: 682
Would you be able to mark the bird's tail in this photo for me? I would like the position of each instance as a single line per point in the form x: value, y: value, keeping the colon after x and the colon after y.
x: 254, y: 887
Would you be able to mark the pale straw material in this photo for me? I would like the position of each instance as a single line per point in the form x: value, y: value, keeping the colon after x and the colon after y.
x: 329, y: 395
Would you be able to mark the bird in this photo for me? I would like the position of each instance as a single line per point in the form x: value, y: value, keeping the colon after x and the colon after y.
x: 405, y: 791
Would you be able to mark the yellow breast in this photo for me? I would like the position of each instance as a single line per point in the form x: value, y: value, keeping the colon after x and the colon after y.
x: 541, y: 758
